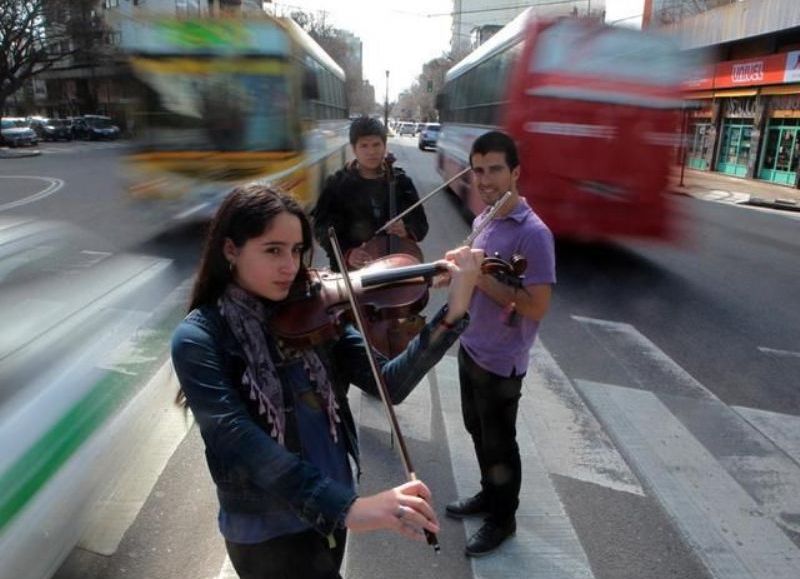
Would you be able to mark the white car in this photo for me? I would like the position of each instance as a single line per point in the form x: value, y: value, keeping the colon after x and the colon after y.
x: 428, y: 136
x: 15, y: 132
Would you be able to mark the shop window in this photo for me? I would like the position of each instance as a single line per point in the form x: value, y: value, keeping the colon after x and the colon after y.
x: 781, y: 151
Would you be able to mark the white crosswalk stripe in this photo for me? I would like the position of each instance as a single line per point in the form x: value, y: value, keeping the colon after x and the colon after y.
x: 781, y: 429
x: 546, y: 545
x: 725, y: 525
x: 646, y: 364
x: 571, y: 441
x: 413, y: 415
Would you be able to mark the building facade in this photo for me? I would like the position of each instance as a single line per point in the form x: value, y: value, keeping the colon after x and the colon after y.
x: 745, y: 119
x: 99, y: 83
x: 474, y: 21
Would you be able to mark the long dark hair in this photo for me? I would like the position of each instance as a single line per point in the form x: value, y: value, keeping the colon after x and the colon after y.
x: 244, y: 214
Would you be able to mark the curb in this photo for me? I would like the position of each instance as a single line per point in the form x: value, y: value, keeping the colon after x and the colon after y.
x: 678, y: 191
x: 8, y: 154
x: 780, y: 204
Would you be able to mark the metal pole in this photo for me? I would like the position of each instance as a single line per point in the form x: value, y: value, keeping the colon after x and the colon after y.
x: 386, y: 104
x: 684, y: 129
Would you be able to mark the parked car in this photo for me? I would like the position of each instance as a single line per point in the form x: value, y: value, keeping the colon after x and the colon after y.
x: 406, y: 129
x: 15, y: 132
x: 94, y: 127
x: 52, y: 129
x: 428, y: 136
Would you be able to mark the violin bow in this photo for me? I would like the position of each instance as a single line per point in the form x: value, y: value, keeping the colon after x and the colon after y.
x: 405, y: 457
x: 411, y: 208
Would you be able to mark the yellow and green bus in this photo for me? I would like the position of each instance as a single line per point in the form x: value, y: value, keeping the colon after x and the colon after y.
x: 231, y: 101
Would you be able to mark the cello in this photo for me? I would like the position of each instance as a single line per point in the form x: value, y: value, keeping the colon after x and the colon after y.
x: 389, y: 335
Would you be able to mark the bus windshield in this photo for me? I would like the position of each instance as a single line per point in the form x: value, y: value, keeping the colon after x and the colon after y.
x: 215, y: 104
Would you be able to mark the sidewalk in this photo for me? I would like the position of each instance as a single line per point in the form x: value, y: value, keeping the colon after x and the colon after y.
x: 701, y: 184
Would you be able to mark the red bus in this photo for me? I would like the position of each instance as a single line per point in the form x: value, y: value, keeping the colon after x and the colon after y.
x: 595, y: 111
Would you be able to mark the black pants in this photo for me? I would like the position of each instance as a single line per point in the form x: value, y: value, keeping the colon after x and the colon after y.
x: 305, y: 555
x: 489, y: 404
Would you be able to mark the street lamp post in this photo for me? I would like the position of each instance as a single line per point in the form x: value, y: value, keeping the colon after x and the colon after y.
x: 386, y: 104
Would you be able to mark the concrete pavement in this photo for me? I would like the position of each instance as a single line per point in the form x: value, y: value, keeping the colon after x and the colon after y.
x: 709, y: 184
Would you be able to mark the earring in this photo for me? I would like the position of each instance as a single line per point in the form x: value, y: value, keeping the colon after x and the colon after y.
x: 231, y: 265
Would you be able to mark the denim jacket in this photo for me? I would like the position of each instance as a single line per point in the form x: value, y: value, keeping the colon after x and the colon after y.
x: 252, y: 472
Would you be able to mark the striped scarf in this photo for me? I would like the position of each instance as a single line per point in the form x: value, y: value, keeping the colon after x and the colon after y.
x: 247, y: 317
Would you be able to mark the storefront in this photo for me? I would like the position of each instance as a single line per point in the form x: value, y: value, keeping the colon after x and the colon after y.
x: 736, y: 136
x: 780, y: 155
x: 701, y: 134
x: 781, y: 151
x: 747, y: 120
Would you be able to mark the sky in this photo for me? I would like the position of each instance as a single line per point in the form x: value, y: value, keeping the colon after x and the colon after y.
x: 400, y: 36
x: 624, y: 12
x: 396, y: 36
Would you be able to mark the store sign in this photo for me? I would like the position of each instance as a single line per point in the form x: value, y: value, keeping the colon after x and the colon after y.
x: 772, y: 69
x: 792, y: 72
x: 748, y: 73
x: 751, y: 72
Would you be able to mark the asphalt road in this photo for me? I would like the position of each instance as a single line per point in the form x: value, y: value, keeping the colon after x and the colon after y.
x: 660, y: 416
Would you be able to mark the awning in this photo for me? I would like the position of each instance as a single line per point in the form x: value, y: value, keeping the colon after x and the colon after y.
x: 703, y: 94
x: 736, y: 92
x: 781, y: 89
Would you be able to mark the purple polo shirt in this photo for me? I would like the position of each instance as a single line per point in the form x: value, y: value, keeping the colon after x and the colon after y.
x: 490, y: 342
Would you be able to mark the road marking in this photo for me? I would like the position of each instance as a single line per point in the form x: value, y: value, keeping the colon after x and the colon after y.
x: 546, y: 544
x: 190, y: 211
x: 725, y: 526
x: 649, y: 367
x: 54, y: 186
x: 227, y: 571
x: 782, y: 429
x: 413, y: 415
x: 726, y: 196
x: 158, y: 428
x: 570, y: 440
x: 760, y: 467
x: 779, y: 353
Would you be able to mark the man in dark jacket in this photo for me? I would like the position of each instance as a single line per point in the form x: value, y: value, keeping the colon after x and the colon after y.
x: 355, y: 200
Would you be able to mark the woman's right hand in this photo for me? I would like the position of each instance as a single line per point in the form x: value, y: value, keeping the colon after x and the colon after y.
x: 404, y: 509
x: 463, y: 270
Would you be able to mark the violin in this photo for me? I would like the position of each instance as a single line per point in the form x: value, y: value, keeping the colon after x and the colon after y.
x: 397, y: 286
x: 382, y: 243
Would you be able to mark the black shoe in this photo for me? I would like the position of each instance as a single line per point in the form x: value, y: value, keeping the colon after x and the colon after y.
x: 470, y: 507
x: 489, y: 537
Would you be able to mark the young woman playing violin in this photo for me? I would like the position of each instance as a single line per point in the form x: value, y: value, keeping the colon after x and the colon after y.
x: 275, y: 419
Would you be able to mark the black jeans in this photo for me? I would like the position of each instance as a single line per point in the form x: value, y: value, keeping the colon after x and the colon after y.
x: 305, y: 555
x: 489, y: 404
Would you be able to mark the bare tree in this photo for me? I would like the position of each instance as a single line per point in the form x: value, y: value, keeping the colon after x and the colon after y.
x: 36, y: 35
x: 338, y: 44
x: 419, y: 101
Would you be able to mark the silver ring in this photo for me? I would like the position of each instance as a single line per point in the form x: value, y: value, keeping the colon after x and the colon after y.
x: 399, y: 512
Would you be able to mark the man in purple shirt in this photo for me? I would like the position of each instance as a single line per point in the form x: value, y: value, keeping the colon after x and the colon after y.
x: 493, y: 357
